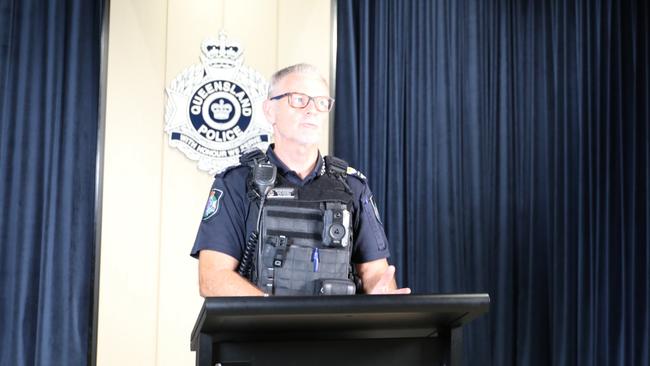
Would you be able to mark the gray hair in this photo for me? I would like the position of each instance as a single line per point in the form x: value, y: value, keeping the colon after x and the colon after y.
x: 302, y: 68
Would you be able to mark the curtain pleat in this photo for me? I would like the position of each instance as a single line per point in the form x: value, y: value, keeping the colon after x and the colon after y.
x: 49, y: 85
x: 507, y: 145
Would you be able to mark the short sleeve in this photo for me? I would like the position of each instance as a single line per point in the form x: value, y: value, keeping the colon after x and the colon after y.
x: 223, y: 226
x: 370, y: 239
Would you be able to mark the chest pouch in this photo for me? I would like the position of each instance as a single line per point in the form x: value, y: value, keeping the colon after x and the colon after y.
x: 305, y: 248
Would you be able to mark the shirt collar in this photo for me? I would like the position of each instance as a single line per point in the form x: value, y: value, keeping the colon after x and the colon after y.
x: 291, y: 175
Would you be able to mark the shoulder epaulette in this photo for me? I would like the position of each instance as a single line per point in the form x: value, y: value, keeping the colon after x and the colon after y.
x: 355, y: 173
x: 227, y: 170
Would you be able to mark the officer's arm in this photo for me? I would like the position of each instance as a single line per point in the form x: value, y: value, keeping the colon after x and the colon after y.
x: 378, y: 278
x: 218, y: 276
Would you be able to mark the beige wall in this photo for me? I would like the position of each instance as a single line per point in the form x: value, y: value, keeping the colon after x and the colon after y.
x: 153, y: 196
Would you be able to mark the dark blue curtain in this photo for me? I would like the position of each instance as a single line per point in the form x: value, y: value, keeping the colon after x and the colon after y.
x: 49, y: 84
x: 507, y: 144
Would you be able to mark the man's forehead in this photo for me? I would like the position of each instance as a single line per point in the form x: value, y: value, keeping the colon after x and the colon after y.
x: 307, y: 80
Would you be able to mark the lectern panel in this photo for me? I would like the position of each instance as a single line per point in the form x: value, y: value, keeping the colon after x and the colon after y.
x: 300, y: 330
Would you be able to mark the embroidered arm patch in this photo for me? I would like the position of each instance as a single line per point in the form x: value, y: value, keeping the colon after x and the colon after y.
x: 212, y: 206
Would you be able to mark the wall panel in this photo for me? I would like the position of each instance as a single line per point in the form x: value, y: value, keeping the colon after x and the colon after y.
x: 130, y: 240
x: 154, y: 196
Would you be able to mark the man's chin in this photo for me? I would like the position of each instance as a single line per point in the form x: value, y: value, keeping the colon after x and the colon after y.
x: 307, y: 139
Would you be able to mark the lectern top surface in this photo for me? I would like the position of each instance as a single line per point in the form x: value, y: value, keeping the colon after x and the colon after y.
x: 360, y: 316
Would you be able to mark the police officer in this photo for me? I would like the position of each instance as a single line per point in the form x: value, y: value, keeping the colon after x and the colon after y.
x: 298, y: 108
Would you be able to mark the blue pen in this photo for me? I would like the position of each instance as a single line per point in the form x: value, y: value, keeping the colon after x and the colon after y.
x: 315, y: 259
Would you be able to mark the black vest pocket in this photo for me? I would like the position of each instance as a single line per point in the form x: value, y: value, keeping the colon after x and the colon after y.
x: 303, y: 269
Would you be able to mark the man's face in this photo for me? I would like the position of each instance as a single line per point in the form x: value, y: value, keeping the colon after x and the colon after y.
x: 295, y: 125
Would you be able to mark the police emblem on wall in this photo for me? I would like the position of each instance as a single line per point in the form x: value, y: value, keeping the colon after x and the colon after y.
x: 214, y: 109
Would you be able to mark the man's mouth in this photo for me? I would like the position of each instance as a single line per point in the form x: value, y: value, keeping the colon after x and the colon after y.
x: 309, y: 125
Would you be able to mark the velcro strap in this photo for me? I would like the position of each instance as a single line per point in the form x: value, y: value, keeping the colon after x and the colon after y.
x: 295, y: 234
x: 295, y: 215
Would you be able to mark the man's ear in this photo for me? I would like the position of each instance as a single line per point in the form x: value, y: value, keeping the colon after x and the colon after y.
x: 269, y: 111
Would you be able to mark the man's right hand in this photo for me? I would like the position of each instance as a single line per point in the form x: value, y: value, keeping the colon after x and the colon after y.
x: 378, y: 278
x: 386, y: 284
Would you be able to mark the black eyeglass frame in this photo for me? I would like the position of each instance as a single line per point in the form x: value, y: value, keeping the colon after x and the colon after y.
x: 330, y: 101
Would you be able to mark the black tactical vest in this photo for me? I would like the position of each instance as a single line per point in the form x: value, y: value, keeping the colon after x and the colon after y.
x: 305, y: 239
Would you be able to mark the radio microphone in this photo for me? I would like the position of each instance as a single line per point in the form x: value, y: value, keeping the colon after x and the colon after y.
x: 264, y: 175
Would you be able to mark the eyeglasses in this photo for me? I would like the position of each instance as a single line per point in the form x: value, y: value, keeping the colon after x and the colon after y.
x: 300, y: 101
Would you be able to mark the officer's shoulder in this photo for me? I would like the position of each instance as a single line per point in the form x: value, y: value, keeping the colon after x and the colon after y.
x: 337, y: 165
x: 243, y: 167
x: 352, y: 172
x: 233, y: 172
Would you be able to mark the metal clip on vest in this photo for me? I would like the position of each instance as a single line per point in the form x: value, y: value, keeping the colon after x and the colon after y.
x: 280, y: 251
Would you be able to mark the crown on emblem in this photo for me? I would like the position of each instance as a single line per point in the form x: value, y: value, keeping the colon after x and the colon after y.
x: 221, y: 110
x: 221, y: 52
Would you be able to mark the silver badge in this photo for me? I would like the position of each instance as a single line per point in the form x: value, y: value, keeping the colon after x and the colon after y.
x: 282, y: 193
x: 214, y: 109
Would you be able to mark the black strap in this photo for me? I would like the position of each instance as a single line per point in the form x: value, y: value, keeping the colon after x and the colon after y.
x: 252, y: 156
x: 336, y: 166
x: 295, y: 215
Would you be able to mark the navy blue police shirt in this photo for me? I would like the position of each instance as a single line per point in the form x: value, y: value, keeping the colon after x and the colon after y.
x: 224, y: 225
